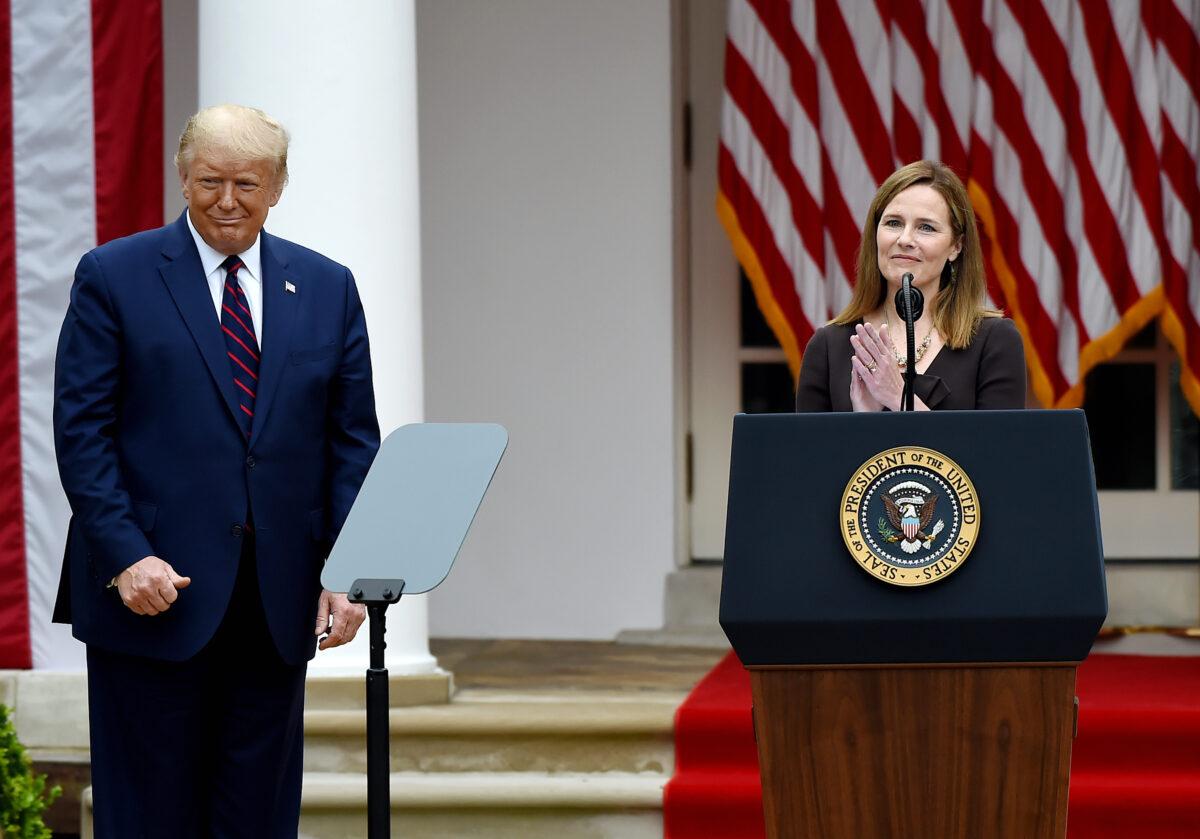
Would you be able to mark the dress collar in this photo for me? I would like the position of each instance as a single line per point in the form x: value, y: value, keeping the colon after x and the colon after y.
x: 211, y: 258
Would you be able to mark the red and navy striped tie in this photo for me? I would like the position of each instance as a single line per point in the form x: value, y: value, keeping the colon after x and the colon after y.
x: 238, y: 327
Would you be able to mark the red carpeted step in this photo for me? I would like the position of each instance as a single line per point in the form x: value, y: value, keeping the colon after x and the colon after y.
x: 1135, y: 769
x: 1120, y: 804
x: 715, y: 805
x: 714, y: 726
x: 1149, y: 739
x: 716, y: 792
x: 1138, y: 713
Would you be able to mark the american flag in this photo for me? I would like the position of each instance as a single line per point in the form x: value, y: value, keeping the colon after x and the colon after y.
x: 81, y: 162
x: 1074, y: 123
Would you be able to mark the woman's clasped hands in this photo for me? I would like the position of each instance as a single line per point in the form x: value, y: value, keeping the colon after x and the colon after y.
x: 875, y: 379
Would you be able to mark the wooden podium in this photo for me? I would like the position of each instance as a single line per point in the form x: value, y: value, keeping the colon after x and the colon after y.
x: 897, y: 711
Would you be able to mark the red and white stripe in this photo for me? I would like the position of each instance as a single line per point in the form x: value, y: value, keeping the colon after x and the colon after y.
x: 80, y: 163
x: 1074, y: 123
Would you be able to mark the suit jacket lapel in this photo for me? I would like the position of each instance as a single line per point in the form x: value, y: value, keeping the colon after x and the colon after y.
x: 279, y: 316
x: 184, y: 277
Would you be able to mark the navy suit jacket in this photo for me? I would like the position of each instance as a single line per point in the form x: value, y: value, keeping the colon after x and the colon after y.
x: 153, y: 460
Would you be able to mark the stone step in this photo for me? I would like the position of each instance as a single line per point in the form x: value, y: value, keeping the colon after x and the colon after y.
x: 50, y: 709
x: 710, y: 639
x: 691, y: 605
x: 50, y: 712
x: 505, y: 733
x: 327, y: 691
x: 523, y: 805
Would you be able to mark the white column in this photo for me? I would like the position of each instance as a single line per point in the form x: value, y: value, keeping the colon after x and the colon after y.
x: 342, y: 78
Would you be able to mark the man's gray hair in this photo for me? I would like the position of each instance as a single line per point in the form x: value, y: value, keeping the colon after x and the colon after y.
x: 245, y: 133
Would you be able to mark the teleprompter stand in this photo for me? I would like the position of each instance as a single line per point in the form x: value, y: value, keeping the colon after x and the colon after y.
x: 377, y: 595
x: 401, y: 537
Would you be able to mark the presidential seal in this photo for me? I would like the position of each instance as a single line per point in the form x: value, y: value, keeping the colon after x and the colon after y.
x: 910, y: 516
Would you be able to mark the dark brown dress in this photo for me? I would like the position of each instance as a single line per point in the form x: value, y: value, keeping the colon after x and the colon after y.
x: 989, y: 374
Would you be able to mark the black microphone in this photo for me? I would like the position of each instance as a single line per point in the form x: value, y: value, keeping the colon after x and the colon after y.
x: 910, y: 303
x: 918, y: 299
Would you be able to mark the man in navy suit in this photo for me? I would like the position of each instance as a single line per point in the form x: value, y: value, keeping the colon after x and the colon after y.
x: 214, y: 419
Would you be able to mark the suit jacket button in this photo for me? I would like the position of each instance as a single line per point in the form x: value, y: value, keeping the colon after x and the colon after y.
x: 236, y: 530
x: 250, y: 461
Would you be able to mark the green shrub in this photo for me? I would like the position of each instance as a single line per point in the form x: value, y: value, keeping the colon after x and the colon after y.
x: 23, y: 795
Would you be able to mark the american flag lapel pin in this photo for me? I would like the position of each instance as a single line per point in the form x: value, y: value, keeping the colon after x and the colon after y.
x: 289, y: 287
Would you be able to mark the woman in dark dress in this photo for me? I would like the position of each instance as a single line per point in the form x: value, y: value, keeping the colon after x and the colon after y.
x: 967, y: 356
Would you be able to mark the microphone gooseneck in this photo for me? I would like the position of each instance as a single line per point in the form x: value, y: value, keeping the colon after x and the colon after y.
x: 910, y: 303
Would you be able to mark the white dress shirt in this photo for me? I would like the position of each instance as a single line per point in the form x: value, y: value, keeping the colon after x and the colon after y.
x: 250, y: 275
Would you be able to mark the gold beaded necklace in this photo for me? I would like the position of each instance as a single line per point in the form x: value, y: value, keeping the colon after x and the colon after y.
x: 902, y: 360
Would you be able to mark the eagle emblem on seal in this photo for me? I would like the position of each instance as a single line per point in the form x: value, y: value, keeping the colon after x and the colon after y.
x: 910, y: 507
